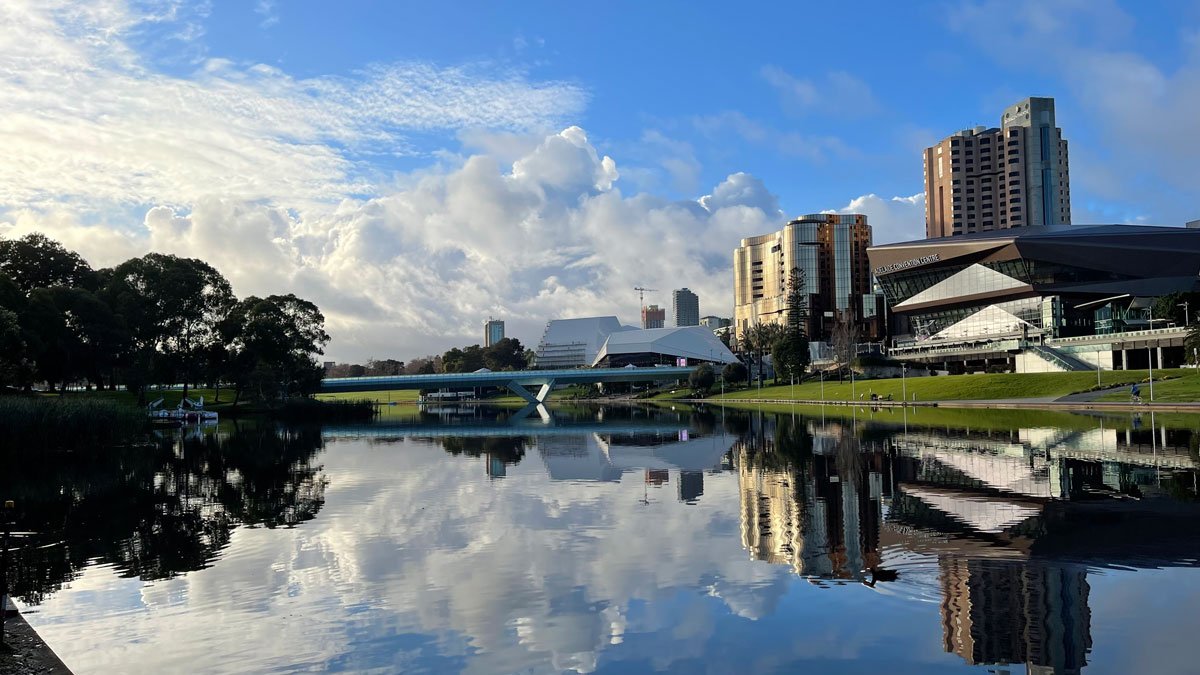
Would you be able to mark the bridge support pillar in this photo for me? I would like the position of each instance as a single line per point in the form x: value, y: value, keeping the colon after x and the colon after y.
x: 530, y: 397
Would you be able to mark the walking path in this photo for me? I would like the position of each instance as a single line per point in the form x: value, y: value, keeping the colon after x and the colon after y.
x: 23, y: 652
x: 1088, y: 396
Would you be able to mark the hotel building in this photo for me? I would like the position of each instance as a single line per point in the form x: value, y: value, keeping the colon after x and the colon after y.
x: 831, y: 249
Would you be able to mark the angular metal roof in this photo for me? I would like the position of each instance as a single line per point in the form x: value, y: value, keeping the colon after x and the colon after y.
x: 693, y: 342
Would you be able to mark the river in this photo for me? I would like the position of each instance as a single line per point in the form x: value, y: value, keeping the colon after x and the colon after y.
x: 624, y: 540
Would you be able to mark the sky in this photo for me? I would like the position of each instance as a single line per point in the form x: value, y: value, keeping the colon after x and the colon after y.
x: 414, y: 168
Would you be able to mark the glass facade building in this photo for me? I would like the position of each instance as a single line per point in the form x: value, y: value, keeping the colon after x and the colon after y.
x: 831, y: 250
x: 1034, y: 283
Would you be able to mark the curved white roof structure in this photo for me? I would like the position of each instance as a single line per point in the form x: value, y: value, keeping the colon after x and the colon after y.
x: 570, y: 343
x: 693, y: 342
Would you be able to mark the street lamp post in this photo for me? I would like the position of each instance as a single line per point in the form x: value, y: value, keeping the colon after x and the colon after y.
x: 904, y: 383
x: 8, y: 507
x: 1187, y: 317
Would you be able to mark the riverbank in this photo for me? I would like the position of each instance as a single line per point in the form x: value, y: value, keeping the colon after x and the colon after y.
x: 1181, y: 385
x: 24, y: 652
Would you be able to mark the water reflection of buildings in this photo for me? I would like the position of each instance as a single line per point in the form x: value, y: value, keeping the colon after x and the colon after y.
x: 822, y: 517
x: 1001, y: 611
x: 1014, y: 519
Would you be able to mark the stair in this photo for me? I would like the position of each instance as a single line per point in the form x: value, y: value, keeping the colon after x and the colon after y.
x: 1061, y: 359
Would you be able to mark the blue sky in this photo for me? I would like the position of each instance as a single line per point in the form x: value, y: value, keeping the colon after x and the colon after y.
x: 416, y: 167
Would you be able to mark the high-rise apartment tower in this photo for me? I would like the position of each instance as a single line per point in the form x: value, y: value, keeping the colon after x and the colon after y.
x: 985, y: 179
x: 685, y: 308
x: 493, y: 332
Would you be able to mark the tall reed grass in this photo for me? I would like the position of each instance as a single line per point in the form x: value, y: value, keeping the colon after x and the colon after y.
x: 48, y: 423
x: 303, y: 410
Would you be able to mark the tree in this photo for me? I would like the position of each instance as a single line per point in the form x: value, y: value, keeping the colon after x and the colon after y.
x: 12, y: 347
x: 465, y: 360
x: 273, y: 343
x: 759, y: 340
x: 790, y: 351
x: 1191, y: 343
x: 844, y: 339
x: 172, y: 307
x: 702, y: 379
x: 505, y: 354
x: 36, y: 261
x: 385, y: 367
x: 734, y: 372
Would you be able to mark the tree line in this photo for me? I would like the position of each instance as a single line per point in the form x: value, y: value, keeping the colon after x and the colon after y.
x: 155, y: 319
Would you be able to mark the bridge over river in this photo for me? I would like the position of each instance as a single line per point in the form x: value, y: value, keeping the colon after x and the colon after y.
x: 516, y: 381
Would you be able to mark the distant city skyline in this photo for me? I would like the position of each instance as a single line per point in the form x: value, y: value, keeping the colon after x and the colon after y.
x: 536, y: 167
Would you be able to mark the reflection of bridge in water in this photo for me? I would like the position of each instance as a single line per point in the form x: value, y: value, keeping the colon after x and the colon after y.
x: 517, y: 428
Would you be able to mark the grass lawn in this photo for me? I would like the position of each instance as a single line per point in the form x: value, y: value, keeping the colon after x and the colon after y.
x: 398, y: 395
x: 1184, y: 389
x: 979, y: 419
x: 981, y: 387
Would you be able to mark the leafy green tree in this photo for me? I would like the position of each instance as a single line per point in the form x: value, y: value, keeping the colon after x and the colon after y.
x: 506, y: 354
x: 384, y: 367
x: 790, y: 350
x: 1191, y: 343
x: 465, y: 360
x: 701, y: 380
x: 37, y: 261
x: 273, y: 344
x: 734, y: 373
x: 12, y: 347
x: 73, y: 335
x: 759, y: 340
x: 172, y: 307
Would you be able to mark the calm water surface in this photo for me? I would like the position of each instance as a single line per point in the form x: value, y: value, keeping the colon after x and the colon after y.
x: 626, y: 540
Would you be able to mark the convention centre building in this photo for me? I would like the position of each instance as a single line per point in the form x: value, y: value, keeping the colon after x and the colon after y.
x: 1033, y: 299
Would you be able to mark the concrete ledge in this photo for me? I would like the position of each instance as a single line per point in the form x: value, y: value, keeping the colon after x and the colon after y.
x: 24, y: 651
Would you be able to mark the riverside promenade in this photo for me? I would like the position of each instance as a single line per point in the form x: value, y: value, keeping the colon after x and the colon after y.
x: 24, y: 652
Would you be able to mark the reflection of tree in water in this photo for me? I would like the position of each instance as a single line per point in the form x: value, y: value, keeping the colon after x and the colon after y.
x: 507, y: 449
x: 154, y: 512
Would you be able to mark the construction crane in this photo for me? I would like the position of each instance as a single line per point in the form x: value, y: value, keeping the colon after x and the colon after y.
x: 642, y: 295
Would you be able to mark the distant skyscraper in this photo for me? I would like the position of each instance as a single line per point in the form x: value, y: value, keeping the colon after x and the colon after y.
x: 685, y: 308
x: 493, y: 332
x: 654, y: 316
x: 985, y: 179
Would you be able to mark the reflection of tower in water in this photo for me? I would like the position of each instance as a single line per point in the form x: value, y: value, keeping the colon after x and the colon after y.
x: 1004, y: 611
x: 819, y: 513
